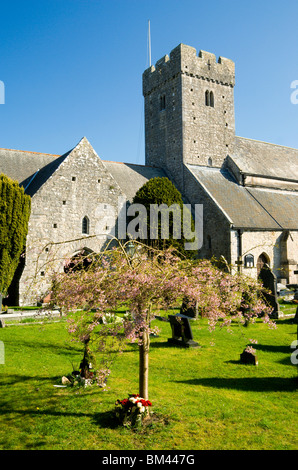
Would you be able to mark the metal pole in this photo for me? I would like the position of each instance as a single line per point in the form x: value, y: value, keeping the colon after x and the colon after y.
x: 149, y: 40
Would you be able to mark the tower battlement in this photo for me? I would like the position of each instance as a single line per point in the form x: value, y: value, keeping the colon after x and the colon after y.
x: 184, y: 60
x: 189, y: 111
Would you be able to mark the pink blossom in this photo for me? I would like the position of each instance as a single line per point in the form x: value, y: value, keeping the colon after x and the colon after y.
x: 159, y: 280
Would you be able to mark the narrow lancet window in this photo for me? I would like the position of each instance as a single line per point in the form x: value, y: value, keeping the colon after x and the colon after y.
x: 85, y: 225
x: 162, y: 102
x: 207, y: 98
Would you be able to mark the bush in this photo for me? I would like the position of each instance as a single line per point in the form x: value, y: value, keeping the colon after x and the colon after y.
x: 15, y: 208
x: 162, y: 191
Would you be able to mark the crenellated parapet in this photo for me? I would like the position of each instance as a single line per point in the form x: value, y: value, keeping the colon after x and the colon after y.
x: 184, y: 60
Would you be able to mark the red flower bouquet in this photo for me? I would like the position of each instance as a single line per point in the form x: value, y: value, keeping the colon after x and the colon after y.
x: 132, y: 410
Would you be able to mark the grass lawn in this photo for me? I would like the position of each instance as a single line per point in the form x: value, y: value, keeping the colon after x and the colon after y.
x: 207, y: 399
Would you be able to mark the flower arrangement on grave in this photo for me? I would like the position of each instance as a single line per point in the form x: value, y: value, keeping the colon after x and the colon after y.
x: 249, y: 349
x: 77, y: 379
x: 132, y: 411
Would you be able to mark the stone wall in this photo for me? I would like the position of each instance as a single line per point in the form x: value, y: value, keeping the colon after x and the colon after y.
x: 282, y: 254
x: 80, y: 187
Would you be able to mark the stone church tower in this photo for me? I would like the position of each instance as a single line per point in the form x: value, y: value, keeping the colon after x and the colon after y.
x: 189, y: 111
x: 248, y: 188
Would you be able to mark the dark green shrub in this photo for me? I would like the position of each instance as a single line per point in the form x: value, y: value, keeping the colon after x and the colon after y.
x: 15, y: 208
x: 162, y: 191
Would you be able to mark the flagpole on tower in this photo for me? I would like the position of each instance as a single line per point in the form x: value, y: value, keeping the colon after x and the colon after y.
x: 149, y: 43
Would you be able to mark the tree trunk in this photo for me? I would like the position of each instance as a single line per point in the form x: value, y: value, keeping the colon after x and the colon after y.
x: 144, y: 359
x: 144, y: 366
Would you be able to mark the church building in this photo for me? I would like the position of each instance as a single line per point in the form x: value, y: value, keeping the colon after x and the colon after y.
x: 248, y: 189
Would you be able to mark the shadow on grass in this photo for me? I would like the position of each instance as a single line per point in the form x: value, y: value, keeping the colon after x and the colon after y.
x: 255, y: 384
x: 6, y: 410
x: 59, y: 349
x: 106, y: 419
x: 269, y: 348
x: 272, y: 348
x: 285, y: 321
x: 154, y: 422
x: 159, y: 344
x: 14, y: 379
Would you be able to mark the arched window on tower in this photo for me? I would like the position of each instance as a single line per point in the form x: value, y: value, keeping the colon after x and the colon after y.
x: 207, y: 98
x: 162, y: 102
x: 85, y: 225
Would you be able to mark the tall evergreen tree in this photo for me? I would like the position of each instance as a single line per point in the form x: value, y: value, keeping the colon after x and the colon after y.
x: 153, y: 195
x: 15, y: 207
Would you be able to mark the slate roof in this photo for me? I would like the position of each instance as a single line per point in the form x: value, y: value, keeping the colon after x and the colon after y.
x: 131, y: 177
x: 282, y: 205
x: 23, y: 166
x: 245, y: 207
x: 248, y: 208
x: 33, y: 184
x: 32, y: 169
x: 264, y: 159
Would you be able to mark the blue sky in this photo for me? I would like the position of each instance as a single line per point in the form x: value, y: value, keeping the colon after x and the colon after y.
x: 73, y: 68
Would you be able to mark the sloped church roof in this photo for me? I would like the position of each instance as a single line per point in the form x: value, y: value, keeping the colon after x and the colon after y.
x: 257, y: 187
x: 250, y: 206
x: 32, y: 170
x: 254, y: 157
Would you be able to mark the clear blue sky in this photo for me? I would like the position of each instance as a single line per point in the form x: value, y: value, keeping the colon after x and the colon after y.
x: 73, y: 68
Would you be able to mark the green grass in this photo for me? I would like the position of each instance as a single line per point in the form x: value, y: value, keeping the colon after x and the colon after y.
x: 287, y: 308
x: 23, y: 308
x: 207, y: 399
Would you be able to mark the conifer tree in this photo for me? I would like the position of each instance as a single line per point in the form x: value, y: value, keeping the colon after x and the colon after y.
x: 158, y: 192
x: 15, y: 208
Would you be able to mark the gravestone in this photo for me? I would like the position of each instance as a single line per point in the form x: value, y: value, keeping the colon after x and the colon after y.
x: 2, y: 323
x: 295, y: 321
x: 189, y: 310
x: 181, y: 332
x: 248, y: 358
x: 295, y: 301
x: 268, y: 279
